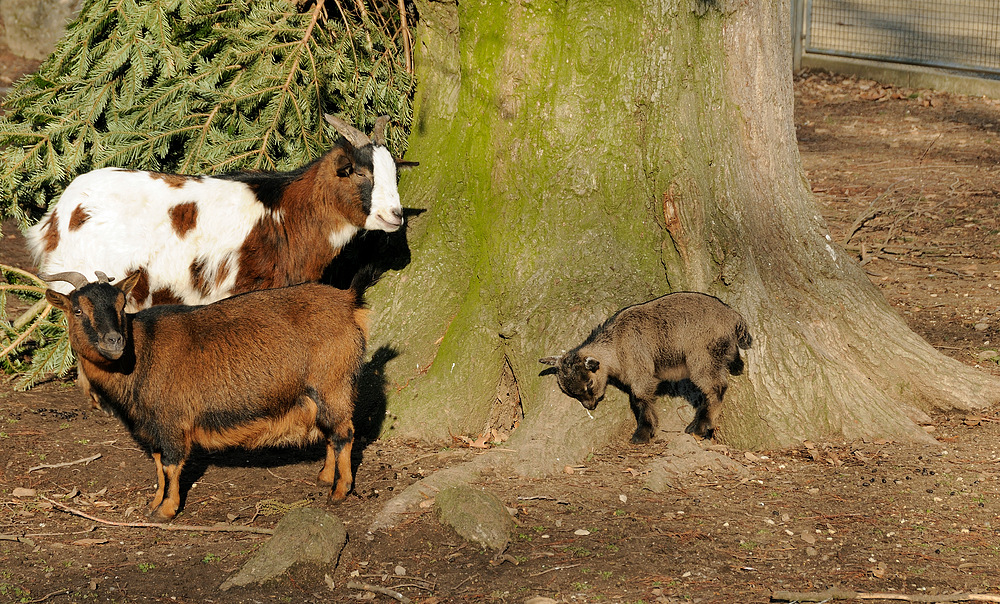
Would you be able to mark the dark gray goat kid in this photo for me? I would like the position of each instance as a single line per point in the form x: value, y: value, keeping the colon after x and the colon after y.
x: 673, y: 337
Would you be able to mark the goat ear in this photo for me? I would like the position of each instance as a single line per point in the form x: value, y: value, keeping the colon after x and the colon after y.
x: 129, y: 282
x: 344, y: 165
x: 592, y: 364
x: 378, y: 132
x: 549, y: 361
x: 60, y: 301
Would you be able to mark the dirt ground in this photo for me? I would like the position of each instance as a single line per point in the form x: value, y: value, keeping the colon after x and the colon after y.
x: 908, y: 179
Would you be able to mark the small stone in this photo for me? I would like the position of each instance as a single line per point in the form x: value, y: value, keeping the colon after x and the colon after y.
x: 581, y: 532
x: 988, y: 355
x: 400, y: 571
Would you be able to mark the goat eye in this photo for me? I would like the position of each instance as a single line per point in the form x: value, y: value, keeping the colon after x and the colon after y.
x: 77, y: 312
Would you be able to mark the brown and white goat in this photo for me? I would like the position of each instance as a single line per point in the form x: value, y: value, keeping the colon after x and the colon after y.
x: 265, y: 368
x: 198, y: 239
x: 673, y: 337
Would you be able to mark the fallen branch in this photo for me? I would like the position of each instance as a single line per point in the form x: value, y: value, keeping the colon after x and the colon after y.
x: 222, y: 528
x: 24, y: 336
x: 64, y: 464
x: 18, y: 538
x: 843, y: 594
x: 48, y: 595
x: 869, y: 213
x: 553, y: 569
x: 921, y: 265
x: 385, y: 591
x: 38, y: 307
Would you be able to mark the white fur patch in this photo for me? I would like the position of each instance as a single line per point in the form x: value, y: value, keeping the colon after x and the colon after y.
x: 386, y: 212
x: 129, y: 228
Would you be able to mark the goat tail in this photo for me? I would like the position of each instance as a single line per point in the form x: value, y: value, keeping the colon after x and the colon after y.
x: 743, y: 337
x: 365, y: 277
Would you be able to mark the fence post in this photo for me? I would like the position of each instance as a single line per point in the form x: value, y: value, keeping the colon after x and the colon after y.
x: 798, y: 21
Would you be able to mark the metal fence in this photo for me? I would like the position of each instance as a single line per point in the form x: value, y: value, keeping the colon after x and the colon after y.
x: 954, y: 34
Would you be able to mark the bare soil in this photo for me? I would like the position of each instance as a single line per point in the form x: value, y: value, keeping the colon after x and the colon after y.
x: 907, y: 179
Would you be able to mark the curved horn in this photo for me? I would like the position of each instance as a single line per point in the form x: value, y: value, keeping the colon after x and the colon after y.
x: 378, y: 132
x: 352, y: 134
x: 102, y: 278
x: 77, y: 280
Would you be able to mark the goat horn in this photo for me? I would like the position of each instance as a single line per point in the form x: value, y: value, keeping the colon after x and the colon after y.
x: 102, y: 278
x: 77, y: 280
x: 352, y: 134
x: 378, y: 132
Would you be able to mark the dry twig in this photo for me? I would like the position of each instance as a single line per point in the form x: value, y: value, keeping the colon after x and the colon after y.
x: 380, y: 590
x: 553, y: 569
x: 65, y: 463
x: 843, y: 594
x: 48, y: 595
x: 223, y: 528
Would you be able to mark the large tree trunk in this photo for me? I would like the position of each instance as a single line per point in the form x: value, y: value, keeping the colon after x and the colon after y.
x: 578, y: 157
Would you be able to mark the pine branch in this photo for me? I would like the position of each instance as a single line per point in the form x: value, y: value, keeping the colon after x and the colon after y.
x: 190, y: 86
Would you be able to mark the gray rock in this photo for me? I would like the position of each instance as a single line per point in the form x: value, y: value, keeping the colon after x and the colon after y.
x: 33, y: 27
x: 476, y: 515
x: 304, y: 535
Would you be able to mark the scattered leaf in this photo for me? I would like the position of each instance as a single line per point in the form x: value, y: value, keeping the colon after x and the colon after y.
x: 88, y: 542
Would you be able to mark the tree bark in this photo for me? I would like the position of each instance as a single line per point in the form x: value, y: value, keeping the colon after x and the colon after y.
x: 579, y: 157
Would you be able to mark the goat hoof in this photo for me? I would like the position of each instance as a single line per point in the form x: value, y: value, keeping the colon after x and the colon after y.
x: 701, y: 432
x: 641, y: 439
x: 159, y: 517
x: 335, y: 498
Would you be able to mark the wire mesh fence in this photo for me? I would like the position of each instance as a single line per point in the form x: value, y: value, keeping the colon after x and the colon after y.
x: 954, y: 34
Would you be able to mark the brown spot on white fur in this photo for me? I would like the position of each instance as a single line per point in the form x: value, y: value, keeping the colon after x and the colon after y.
x: 183, y: 217
x: 198, y: 280
x: 175, y: 181
x: 78, y: 218
x: 222, y: 272
x: 51, y: 233
x: 165, y: 295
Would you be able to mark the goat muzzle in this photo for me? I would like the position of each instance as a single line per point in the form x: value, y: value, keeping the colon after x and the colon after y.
x: 112, y: 345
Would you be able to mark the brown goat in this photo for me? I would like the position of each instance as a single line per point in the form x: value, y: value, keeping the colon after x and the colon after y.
x: 673, y: 337
x: 266, y: 368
